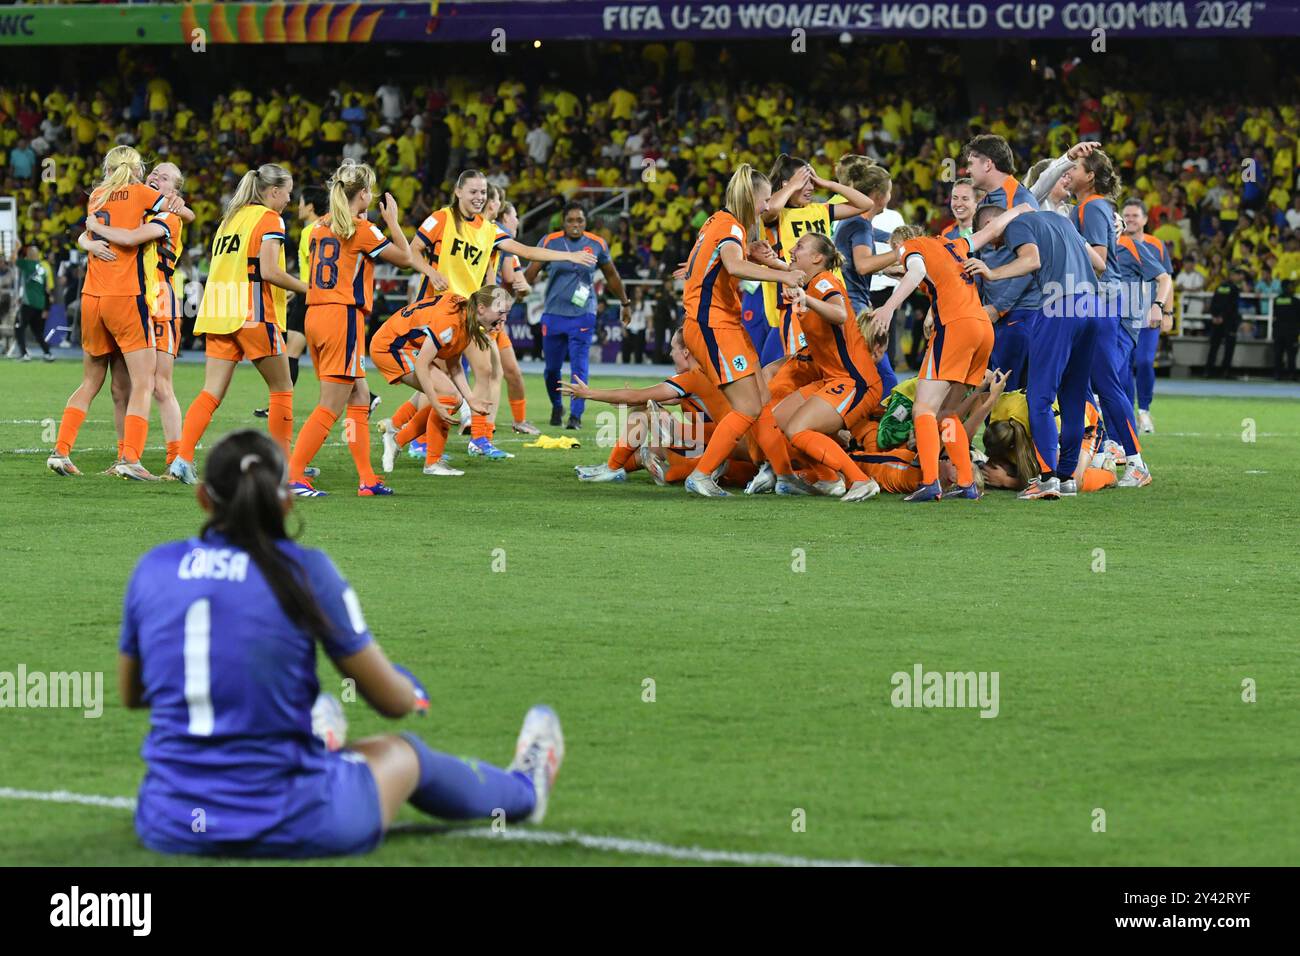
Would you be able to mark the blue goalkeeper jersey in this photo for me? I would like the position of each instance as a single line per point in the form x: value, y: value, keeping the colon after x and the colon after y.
x: 229, y: 680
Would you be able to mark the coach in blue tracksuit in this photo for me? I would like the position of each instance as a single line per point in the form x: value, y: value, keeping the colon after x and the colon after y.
x: 569, y: 314
x: 1062, y: 334
x: 1013, y: 302
x: 1092, y: 181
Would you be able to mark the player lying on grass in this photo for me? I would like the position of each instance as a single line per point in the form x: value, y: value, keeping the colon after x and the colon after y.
x: 1008, y: 442
x: 657, y: 440
x: 219, y: 637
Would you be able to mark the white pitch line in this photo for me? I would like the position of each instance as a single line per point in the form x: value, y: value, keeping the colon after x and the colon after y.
x: 693, y: 854
x: 64, y: 796
x: 649, y: 848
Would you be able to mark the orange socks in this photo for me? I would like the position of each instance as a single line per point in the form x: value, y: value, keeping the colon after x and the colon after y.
x: 619, y: 457
x: 726, y: 436
x: 404, y: 414
x: 69, y: 425
x: 679, y: 466
x: 826, y: 450
x: 135, y: 430
x: 772, y: 441
x: 279, y: 419
x: 518, y: 408
x: 478, y: 426
x: 197, y: 419
x: 958, y: 446
x: 927, y: 447
x: 310, y: 439
x: 356, y: 432
x: 414, y: 428
x: 435, y: 433
x: 121, y: 447
x: 173, y: 449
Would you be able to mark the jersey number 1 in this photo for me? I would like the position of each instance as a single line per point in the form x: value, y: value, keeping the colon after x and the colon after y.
x: 198, y: 671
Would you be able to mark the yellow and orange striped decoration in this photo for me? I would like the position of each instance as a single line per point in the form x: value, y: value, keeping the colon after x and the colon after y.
x: 280, y: 22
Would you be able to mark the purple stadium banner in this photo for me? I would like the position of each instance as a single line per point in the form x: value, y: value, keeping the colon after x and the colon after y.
x: 591, y: 19
x: 523, y: 21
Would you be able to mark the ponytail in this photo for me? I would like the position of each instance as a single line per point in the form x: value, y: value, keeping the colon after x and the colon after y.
x: 740, y: 198
x: 245, y: 479
x: 348, y: 180
x: 785, y: 167
x: 831, y: 257
x: 1105, y: 180
x: 122, y: 166
x: 254, y: 185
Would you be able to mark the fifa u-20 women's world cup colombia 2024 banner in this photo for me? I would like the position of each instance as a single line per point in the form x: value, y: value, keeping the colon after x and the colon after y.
x: 517, y: 20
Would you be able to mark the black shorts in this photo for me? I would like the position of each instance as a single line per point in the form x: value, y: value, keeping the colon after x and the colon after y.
x: 295, y: 317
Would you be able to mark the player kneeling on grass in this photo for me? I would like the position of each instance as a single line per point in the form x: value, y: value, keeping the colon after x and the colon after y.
x: 219, y: 639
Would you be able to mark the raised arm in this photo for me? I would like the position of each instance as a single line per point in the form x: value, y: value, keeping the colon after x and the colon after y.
x: 536, y: 254
x: 914, y: 272
x: 856, y: 202
x: 398, y: 250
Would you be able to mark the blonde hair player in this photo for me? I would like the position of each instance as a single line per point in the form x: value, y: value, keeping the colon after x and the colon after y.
x: 242, y: 312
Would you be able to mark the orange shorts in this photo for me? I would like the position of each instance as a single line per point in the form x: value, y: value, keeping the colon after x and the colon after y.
x: 255, y: 340
x: 959, y: 351
x: 724, y: 352
x: 794, y: 373
x: 896, y: 471
x: 502, y: 338
x: 393, y: 363
x: 336, y: 335
x: 167, y: 335
x: 843, y: 395
x: 115, y: 323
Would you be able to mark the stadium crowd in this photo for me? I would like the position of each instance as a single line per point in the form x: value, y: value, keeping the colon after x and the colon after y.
x: 1219, y: 178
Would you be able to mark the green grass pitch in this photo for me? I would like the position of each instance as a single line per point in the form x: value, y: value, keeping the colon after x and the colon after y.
x: 1120, y: 690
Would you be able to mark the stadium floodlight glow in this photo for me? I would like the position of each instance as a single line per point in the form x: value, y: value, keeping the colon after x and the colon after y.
x: 537, y: 44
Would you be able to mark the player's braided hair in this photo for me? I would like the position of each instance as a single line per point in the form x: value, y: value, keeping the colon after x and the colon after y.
x: 244, y: 478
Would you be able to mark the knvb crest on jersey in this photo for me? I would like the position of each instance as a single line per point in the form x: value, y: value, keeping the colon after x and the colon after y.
x: 739, y: 363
